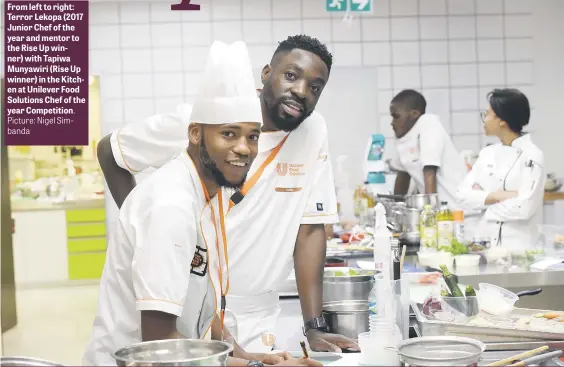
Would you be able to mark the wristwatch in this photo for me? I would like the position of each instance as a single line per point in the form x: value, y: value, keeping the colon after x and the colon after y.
x: 317, y: 323
x: 255, y: 364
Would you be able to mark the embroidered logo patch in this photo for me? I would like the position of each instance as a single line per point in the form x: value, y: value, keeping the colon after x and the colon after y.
x: 319, y: 207
x: 268, y: 339
x: 199, y: 262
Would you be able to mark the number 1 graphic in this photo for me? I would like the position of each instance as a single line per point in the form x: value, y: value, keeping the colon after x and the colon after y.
x: 185, y: 5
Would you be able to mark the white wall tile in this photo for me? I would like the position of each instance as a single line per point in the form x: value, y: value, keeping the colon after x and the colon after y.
x: 519, y: 6
x: 518, y: 26
x: 461, y: 27
x: 160, y: 12
x: 169, y: 85
x: 347, y: 54
x: 318, y: 28
x: 138, y: 12
x: 105, y: 61
x: 403, y: 8
x: 384, y: 99
x: 257, y: 9
x: 490, y: 26
x: 137, y: 60
x: 103, y: 13
x: 257, y: 31
x: 385, y: 126
x: 432, y: 7
x: 167, y: 59
x: 226, y: 9
x: 376, y: 53
x: 137, y: 86
x: 112, y: 112
x: 286, y: 9
x: 483, y: 96
x: 406, y: 77
x: 196, y: 33
x: 138, y: 109
x: 464, y: 142
x: 375, y: 29
x: 462, y: 51
x: 405, y: 53
x: 490, y: 50
x: 466, y: 123
x: 381, y: 8
x: 314, y: 9
x: 434, y: 28
x: 194, y: 58
x: 192, y: 83
x: 519, y: 73
x: 405, y: 29
x: 435, y: 76
x: 489, y: 6
x: 104, y: 36
x: 167, y: 104
x: 464, y: 75
x: 519, y: 49
x: 228, y: 31
x: 529, y: 91
x: 284, y: 28
x: 166, y: 35
x: 464, y: 99
x: 260, y: 55
x: 492, y: 74
x: 438, y: 100
x: 111, y: 86
x: 343, y: 32
x: 135, y: 35
x: 385, y: 77
x: 434, y: 52
x: 461, y: 7
x: 203, y: 14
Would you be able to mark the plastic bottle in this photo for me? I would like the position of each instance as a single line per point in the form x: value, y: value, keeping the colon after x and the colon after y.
x: 382, y: 243
x: 445, y: 226
x: 459, y: 225
x: 428, y: 229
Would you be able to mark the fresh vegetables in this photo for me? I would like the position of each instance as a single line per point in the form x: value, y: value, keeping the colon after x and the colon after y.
x: 451, y: 282
x: 455, y: 248
x: 549, y: 315
x: 348, y: 237
x: 431, y: 305
x: 470, y: 292
x: 351, y: 272
x: 445, y: 293
x: 472, y: 301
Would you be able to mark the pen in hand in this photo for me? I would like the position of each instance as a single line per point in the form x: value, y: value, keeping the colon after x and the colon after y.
x: 302, y: 344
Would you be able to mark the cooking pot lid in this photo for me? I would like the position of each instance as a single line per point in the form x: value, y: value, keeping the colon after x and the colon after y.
x: 441, y: 349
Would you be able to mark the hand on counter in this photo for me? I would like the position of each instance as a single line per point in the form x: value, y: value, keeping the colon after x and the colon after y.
x: 327, y: 342
x: 273, y: 358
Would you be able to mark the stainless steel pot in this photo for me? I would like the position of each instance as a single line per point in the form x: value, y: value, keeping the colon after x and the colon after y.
x: 411, y: 220
x: 441, y: 351
x: 347, y: 287
x: 175, y: 352
x: 348, y: 318
x: 416, y: 201
x: 26, y: 361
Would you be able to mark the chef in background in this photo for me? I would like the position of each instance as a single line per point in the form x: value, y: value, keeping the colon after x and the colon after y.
x: 425, y: 152
x: 507, y: 180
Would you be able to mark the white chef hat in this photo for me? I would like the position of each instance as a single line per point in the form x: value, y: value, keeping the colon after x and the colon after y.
x: 227, y: 92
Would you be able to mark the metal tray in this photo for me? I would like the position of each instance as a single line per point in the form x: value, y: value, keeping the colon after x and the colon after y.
x: 506, y: 338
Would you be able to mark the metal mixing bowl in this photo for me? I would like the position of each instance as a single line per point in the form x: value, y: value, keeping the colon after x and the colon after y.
x: 348, y: 318
x: 175, y: 352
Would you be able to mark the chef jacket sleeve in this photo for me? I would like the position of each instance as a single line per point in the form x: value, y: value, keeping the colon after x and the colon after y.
x: 468, y: 195
x: 395, y: 163
x: 431, y: 142
x: 165, y: 243
x: 321, y: 207
x: 151, y: 142
x: 529, y: 198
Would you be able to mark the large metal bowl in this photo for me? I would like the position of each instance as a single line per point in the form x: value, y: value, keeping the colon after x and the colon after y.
x: 26, y: 361
x: 175, y: 352
x: 441, y: 351
x: 348, y: 318
x: 347, y: 287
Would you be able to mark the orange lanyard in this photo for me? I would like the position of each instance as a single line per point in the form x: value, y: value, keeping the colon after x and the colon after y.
x: 225, y: 256
x: 248, y: 185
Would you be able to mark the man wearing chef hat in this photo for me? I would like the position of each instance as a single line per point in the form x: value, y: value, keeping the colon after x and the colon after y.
x: 276, y: 222
x: 164, y: 276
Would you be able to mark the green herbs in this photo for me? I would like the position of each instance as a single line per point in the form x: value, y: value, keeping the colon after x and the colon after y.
x: 455, y: 248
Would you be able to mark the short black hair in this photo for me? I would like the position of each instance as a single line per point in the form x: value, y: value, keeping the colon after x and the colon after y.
x: 512, y: 106
x: 306, y: 43
x: 412, y: 99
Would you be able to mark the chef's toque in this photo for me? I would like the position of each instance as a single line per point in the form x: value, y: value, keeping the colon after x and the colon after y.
x: 227, y: 92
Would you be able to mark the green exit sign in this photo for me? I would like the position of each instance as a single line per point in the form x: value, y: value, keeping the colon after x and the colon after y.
x: 349, y: 5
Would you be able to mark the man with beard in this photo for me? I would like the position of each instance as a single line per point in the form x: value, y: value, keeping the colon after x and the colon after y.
x: 276, y: 220
x: 164, y: 278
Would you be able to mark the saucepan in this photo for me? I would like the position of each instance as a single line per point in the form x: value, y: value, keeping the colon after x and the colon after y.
x: 26, y: 361
x: 417, y: 201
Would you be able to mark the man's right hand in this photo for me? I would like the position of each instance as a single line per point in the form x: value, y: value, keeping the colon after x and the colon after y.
x: 299, y: 362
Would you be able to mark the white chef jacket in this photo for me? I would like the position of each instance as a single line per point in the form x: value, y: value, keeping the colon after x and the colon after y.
x: 158, y: 260
x: 513, y: 223
x: 296, y: 188
x: 428, y: 144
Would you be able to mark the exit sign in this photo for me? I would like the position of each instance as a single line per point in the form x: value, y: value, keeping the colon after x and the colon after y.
x: 349, y: 5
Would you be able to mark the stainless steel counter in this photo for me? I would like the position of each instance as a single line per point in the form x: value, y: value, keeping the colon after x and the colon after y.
x: 36, y: 205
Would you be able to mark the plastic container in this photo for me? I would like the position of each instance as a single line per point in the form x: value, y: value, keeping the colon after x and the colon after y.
x: 468, y: 260
x: 461, y: 307
x: 496, y: 300
x: 435, y: 259
x: 379, y: 348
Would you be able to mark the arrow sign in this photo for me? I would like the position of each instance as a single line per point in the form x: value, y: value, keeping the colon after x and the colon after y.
x: 361, y: 5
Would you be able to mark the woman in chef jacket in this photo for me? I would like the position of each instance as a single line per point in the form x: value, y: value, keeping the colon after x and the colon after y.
x: 507, y: 180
